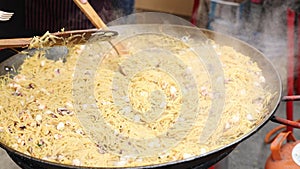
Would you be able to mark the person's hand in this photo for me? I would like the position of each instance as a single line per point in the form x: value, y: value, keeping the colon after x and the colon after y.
x: 83, y: 1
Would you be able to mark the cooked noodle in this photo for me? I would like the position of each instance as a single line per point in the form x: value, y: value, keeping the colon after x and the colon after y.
x: 38, y: 115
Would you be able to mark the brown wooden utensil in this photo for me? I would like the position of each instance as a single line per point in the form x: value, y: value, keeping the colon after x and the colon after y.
x: 86, y: 8
x: 24, y: 42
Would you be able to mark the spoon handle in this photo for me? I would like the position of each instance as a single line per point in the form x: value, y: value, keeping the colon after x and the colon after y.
x: 91, y: 14
x: 78, y: 36
x: 14, y: 42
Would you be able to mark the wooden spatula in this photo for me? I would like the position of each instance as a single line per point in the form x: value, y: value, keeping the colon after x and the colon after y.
x: 86, y: 8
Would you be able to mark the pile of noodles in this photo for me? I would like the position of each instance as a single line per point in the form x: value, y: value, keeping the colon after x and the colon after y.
x: 38, y: 115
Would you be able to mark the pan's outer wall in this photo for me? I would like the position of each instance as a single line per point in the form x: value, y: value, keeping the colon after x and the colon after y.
x: 203, y: 161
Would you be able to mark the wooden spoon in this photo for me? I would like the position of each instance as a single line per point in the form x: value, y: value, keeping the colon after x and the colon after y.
x: 86, y: 8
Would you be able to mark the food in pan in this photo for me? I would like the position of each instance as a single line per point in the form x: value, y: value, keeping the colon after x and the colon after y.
x: 38, y: 114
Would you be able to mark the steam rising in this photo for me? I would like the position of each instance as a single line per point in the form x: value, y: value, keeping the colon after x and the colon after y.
x: 261, y: 25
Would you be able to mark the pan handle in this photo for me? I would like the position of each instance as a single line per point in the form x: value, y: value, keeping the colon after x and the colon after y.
x: 291, y: 98
x: 295, y: 124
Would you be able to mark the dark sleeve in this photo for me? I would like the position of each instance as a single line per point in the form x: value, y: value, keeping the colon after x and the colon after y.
x: 15, y: 26
x: 35, y: 17
x: 53, y: 15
